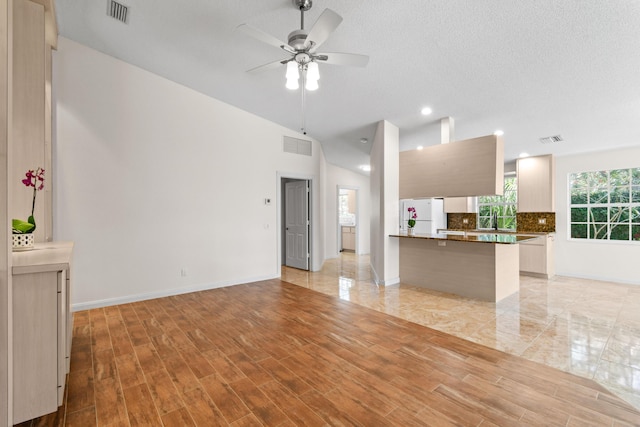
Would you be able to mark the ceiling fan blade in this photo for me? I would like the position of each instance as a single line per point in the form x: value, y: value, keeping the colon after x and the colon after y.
x: 324, y: 26
x: 269, y: 66
x: 264, y: 37
x: 336, y: 58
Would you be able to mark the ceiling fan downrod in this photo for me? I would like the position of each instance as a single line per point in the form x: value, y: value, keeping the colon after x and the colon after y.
x: 303, y: 5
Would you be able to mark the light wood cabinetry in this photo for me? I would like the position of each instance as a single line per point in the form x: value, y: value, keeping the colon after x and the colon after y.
x: 537, y: 257
x: 42, y: 326
x: 536, y: 184
x: 349, y: 238
x: 473, y: 167
x: 34, y: 35
x: 460, y: 204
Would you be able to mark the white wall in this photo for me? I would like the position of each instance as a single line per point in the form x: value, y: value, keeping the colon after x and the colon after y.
x: 337, y: 176
x: 593, y: 259
x: 153, y: 177
x: 385, y: 261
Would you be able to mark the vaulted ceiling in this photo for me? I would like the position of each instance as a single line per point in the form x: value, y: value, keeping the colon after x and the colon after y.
x: 530, y: 68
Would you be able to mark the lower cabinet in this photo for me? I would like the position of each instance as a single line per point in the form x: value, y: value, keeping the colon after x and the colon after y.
x: 537, y: 257
x: 42, y: 328
x: 349, y: 238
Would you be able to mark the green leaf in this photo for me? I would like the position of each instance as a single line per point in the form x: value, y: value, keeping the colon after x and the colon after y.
x: 22, y: 227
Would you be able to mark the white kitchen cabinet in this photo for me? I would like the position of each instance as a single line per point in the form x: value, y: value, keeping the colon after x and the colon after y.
x: 536, y: 184
x: 537, y: 257
x: 349, y: 238
x: 42, y: 326
x: 460, y: 204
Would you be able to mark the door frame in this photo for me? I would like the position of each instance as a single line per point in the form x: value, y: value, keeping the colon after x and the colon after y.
x: 338, y: 227
x: 280, y: 179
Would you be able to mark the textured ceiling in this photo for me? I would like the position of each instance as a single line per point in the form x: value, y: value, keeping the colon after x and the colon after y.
x: 531, y: 68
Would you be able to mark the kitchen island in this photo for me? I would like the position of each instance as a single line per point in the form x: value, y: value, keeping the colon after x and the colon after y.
x: 480, y: 266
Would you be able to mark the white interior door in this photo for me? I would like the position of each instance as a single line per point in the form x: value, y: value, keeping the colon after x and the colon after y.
x: 297, y: 224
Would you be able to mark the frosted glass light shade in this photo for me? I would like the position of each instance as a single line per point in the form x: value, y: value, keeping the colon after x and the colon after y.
x: 292, y: 84
x: 292, y: 75
x: 311, y: 85
x: 313, y: 73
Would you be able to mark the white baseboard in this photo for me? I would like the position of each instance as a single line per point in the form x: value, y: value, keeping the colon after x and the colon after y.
x: 598, y: 278
x: 388, y: 282
x: 165, y: 293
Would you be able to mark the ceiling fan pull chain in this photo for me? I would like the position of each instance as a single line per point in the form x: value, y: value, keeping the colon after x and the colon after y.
x: 304, y: 82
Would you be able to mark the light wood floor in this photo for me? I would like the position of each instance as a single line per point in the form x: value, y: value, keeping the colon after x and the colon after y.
x: 273, y: 353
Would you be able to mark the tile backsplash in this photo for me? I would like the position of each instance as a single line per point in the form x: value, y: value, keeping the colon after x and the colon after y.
x: 542, y: 222
x: 456, y: 221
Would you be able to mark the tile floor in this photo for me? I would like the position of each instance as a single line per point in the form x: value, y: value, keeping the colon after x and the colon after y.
x: 586, y: 327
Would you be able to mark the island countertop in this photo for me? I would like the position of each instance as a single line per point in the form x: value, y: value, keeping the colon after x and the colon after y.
x: 474, y: 238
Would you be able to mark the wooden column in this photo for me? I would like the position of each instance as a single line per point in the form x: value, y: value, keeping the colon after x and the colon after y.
x: 6, y: 368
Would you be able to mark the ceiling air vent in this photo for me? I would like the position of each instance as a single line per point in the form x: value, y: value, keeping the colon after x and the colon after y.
x: 296, y: 146
x: 551, y: 139
x: 117, y: 11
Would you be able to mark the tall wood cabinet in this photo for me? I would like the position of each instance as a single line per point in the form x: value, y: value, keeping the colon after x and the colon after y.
x: 536, y: 184
x: 42, y: 328
x: 34, y: 35
x: 28, y: 32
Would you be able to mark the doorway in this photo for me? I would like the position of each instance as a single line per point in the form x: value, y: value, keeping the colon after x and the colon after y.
x: 296, y: 223
x: 347, y: 218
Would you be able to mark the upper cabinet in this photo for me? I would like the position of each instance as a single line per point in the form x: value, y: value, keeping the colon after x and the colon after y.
x: 460, y: 204
x: 536, y: 184
x: 473, y: 167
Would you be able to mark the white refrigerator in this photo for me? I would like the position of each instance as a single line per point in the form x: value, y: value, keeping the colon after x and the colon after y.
x: 430, y: 215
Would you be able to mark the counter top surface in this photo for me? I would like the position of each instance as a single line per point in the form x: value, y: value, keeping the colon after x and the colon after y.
x: 50, y: 256
x: 507, y: 232
x: 501, y: 238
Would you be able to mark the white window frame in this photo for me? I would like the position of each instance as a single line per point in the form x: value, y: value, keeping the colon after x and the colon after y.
x: 630, y: 223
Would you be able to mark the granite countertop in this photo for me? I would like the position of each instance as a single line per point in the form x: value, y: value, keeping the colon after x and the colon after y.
x: 486, y: 237
x: 507, y: 232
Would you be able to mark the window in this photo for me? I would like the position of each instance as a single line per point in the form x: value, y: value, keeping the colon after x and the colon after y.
x: 503, y: 207
x: 605, y: 205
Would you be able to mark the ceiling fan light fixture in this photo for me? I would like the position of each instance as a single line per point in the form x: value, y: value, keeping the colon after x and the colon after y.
x: 311, y: 85
x: 313, y: 72
x: 312, y: 76
x: 292, y: 76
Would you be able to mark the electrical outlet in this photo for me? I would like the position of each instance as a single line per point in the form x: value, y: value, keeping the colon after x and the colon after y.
x: 183, y: 272
x: 542, y: 221
x: 442, y: 243
x: 465, y: 220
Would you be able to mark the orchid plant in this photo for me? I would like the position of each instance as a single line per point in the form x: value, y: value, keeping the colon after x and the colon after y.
x: 412, y: 217
x: 33, y: 179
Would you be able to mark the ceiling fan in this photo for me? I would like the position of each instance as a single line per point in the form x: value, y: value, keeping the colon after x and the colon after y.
x: 301, y: 46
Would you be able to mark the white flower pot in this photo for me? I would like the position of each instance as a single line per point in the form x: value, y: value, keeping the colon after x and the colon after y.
x: 411, y: 231
x: 23, y: 242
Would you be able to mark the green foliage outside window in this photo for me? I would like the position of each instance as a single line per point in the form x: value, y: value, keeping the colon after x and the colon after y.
x: 605, y: 205
x: 504, y: 207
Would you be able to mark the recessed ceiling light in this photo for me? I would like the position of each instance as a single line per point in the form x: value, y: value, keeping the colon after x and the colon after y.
x: 499, y: 132
x: 523, y: 155
x: 420, y: 147
x: 426, y: 111
x: 364, y: 140
x: 365, y: 168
